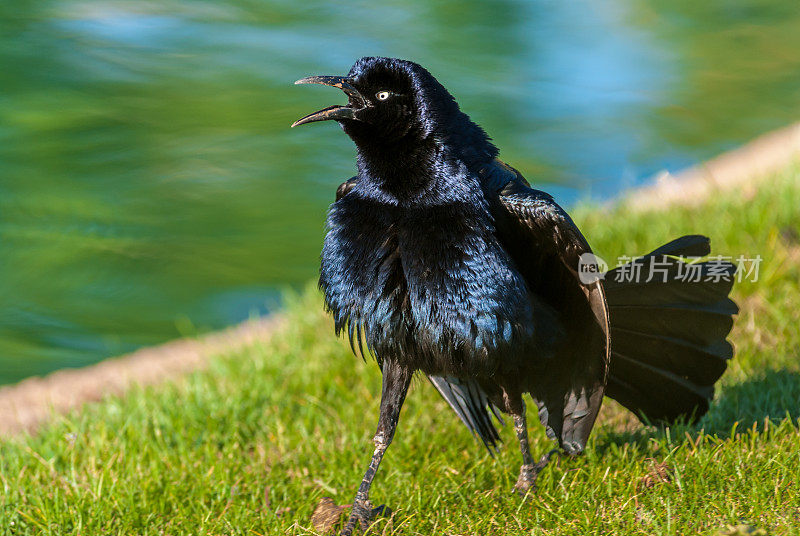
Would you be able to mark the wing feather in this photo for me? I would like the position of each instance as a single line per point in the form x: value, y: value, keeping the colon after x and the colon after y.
x: 548, y: 248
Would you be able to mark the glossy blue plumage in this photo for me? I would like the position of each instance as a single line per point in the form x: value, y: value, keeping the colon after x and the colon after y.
x: 428, y: 282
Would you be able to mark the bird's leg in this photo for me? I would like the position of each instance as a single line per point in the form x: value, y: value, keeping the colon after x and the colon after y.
x: 528, y: 471
x: 395, y: 386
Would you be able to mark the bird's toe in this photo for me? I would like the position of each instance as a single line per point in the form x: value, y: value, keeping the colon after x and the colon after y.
x: 573, y: 448
x: 526, y: 483
x: 364, y: 515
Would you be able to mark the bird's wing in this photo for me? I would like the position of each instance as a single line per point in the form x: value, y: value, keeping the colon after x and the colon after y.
x: 548, y: 248
x: 345, y: 187
x: 472, y: 406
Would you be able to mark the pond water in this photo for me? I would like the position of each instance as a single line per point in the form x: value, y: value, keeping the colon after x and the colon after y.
x: 150, y: 186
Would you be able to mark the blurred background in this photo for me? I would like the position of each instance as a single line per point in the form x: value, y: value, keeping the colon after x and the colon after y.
x: 150, y: 186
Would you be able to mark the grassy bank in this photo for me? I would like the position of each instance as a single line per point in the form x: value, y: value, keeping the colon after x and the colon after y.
x: 252, y: 444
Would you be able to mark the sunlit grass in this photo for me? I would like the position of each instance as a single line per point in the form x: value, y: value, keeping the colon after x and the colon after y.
x: 251, y: 445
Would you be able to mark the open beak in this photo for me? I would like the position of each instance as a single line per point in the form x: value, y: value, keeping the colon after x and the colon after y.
x: 336, y: 113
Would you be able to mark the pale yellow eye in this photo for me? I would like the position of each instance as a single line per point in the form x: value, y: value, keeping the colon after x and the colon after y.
x: 382, y: 95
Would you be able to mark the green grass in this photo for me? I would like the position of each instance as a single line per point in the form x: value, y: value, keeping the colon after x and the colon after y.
x: 252, y: 444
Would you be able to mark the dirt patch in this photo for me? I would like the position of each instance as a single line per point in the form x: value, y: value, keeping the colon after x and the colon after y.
x: 659, y: 473
x: 26, y: 405
x: 327, y: 515
x: 741, y: 168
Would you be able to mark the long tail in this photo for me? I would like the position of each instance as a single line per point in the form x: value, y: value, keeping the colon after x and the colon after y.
x: 668, y: 334
x: 668, y: 339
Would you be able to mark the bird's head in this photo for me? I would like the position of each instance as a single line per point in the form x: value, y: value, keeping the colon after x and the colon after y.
x: 393, y: 103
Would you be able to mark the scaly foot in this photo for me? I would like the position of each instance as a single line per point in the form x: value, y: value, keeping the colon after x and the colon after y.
x: 364, y: 514
x: 528, y: 473
x: 527, y: 479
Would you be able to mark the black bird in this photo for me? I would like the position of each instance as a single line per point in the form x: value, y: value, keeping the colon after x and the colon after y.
x: 444, y: 260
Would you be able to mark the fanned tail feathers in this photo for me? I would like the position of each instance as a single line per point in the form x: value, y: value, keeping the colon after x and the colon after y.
x: 668, y: 334
x: 669, y: 322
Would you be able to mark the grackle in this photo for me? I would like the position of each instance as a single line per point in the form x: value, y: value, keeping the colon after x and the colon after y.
x: 442, y: 259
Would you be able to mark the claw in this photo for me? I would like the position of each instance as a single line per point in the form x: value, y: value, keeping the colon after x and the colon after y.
x: 527, y: 480
x: 381, y: 511
x: 364, y: 514
x: 526, y: 483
